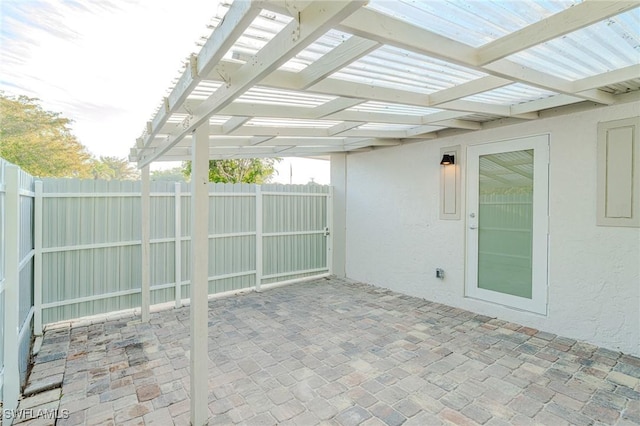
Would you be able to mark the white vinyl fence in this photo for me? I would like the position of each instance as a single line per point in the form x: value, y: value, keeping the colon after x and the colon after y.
x: 16, y: 279
x: 90, y: 250
x: 72, y: 248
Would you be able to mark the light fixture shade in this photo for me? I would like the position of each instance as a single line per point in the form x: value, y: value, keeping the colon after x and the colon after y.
x: 448, y: 159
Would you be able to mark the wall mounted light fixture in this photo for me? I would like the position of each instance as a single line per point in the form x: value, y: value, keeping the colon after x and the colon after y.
x: 448, y: 159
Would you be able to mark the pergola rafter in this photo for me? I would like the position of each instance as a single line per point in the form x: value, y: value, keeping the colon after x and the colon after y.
x: 223, y: 80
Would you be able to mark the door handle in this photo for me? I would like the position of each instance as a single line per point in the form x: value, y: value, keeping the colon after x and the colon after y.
x: 473, y: 227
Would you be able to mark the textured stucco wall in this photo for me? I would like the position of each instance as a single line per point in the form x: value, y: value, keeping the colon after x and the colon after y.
x: 396, y: 240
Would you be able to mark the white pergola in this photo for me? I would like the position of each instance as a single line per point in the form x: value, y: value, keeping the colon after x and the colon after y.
x: 283, y: 78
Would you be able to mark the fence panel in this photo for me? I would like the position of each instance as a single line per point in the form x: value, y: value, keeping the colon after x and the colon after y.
x: 26, y: 265
x: 2, y: 271
x: 91, y: 247
x: 294, y: 222
x: 16, y: 279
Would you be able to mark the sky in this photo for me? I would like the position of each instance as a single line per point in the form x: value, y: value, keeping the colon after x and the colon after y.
x: 106, y: 64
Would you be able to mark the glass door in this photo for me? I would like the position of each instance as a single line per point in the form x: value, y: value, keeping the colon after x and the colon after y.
x: 507, y: 222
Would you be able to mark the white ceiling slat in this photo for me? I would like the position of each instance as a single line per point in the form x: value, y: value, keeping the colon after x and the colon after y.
x: 264, y: 110
x: 374, y: 142
x: 578, y: 16
x: 460, y: 124
x: 347, y: 52
x: 539, y: 79
x: 375, y: 117
x: 477, y: 107
x: 316, y: 132
x: 606, y: 79
x: 371, y: 92
x: 343, y: 127
x: 233, y: 123
x: 335, y: 106
x: 315, y: 20
x: 422, y: 131
x: 470, y: 88
x: 442, y: 116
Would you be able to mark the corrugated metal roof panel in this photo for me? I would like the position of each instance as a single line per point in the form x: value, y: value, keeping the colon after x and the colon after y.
x: 385, y: 126
x: 400, y: 69
x: 276, y: 122
x: 472, y: 22
x: 384, y: 107
x: 602, y: 47
x: 511, y: 95
x: 266, y: 95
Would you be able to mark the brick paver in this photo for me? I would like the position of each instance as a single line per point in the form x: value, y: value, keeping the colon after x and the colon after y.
x: 340, y: 353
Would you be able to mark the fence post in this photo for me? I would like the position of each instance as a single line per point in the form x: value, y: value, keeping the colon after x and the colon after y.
x: 259, y: 271
x: 178, y: 244
x: 331, y: 230
x: 11, y: 391
x: 37, y: 260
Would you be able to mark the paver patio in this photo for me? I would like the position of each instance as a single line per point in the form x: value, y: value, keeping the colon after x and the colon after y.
x: 336, y: 352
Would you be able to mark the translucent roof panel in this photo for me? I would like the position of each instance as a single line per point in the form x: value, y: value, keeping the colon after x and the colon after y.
x: 472, y: 22
x: 276, y: 122
x: 264, y: 95
x: 316, y: 50
x: 511, y: 95
x: 385, y: 126
x: 400, y: 69
x: 373, y: 106
x: 257, y: 35
x: 266, y: 25
x: 204, y: 89
x: 602, y: 47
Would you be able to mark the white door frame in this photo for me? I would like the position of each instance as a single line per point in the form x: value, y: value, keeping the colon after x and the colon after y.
x: 540, y: 146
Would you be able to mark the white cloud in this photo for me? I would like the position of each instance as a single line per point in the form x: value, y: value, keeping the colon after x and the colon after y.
x: 104, y: 64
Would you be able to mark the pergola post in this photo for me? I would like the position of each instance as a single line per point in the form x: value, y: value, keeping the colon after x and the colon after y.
x: 145, y: 231
x: 199, y: 274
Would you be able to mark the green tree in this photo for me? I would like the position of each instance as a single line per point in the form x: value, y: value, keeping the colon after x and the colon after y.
x: 175, y: 174
x: 245, y: 170
x: 40, y: 141
x: 108, y: 168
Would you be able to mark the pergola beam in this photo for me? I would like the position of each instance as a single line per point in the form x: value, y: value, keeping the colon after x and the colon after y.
x: 335, y: 106
x: 237, y: 19
x: 631, y: 72
x: 314, y: 21
x: 344, y: 54
x: 473, y: 87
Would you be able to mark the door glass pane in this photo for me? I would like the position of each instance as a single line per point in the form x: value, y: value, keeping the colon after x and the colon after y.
x: 505, y: 219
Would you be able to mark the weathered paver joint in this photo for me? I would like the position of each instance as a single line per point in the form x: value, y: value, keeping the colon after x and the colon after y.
x: 341, y: 352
